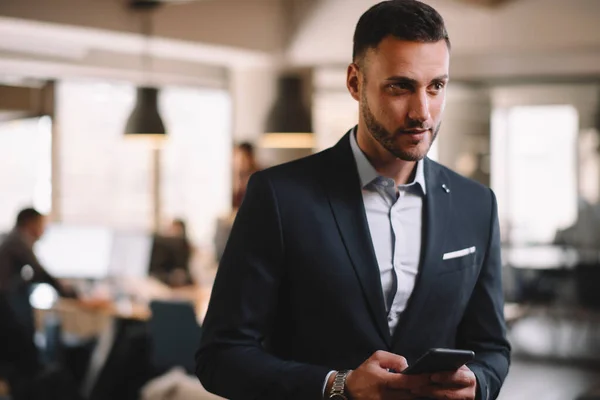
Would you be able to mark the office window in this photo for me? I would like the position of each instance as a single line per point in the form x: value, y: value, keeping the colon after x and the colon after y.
x: 25, y: 167
x: 106, y: 178
x: 196, y: 171
x: 534, y: 171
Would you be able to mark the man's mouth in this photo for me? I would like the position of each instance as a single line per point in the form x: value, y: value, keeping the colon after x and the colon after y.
x: 414, y: 132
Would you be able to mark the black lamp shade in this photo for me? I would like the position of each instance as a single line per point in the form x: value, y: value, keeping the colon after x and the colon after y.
x: 289, y: 114
x: 289, y: 122
x: 145, y: 118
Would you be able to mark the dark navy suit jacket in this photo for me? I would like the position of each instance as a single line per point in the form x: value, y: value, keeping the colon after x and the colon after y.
x: 298, y: 291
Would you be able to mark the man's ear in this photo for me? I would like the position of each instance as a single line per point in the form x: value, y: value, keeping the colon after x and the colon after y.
x: 352, y: 81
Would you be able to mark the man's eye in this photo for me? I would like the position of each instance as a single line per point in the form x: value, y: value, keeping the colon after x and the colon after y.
x: 399, y: 86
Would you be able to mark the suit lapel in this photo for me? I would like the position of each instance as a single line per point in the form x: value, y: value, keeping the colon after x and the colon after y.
x: 435, y: 216
x: 345, y: 197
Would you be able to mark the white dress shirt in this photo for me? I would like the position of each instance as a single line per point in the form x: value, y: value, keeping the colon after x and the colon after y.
x: 394, y: 214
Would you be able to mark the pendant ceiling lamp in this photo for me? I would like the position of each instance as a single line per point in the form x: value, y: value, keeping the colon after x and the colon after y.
x: 145, y: 120
x: 289, y: 122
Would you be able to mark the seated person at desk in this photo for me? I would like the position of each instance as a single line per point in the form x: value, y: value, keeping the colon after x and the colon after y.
x: 19, y: 267
x: 171, y: 255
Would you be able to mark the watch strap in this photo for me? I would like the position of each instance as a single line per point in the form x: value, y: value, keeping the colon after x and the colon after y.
x: 338, y: 388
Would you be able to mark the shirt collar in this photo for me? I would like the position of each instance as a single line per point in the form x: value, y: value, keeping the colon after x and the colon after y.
x: 368, y: 174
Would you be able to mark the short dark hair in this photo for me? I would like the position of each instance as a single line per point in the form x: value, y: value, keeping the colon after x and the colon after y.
x: 409, y: 20
x: 247, y: 148
x: 27, y: 215
x: 181, y: 223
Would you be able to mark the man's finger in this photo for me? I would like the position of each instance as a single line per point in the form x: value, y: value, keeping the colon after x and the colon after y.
x: 400, y: 381
x: 460, y: 378
x: 390, y: 361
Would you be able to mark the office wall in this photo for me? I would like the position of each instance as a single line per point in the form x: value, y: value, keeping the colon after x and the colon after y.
x: 253, y: 92
x: 464, y: 138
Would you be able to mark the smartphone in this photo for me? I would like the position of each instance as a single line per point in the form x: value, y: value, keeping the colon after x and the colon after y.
x: 440, y: 360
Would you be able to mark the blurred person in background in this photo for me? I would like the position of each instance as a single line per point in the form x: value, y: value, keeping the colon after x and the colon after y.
x: 172, y: 253
x: 244, y: 164
x: 18, y: 263
x: 184, y: 252
x: 19, y: 357
x: 345, y: 267
x: 20, y: 268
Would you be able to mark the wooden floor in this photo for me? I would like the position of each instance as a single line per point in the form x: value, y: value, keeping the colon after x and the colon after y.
x: 571, y: 341
x: 532, y: 380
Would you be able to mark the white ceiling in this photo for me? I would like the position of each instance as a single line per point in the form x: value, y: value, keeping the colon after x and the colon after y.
x: 48, y: 50
x: 518, y: 38
x: 517, y: 27
x: 521, y: 37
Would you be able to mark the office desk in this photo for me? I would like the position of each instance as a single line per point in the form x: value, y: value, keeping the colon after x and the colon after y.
x: 88, y: 316
x: 112, y: 315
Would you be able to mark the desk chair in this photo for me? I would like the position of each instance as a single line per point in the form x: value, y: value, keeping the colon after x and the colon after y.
x: 174, y: 335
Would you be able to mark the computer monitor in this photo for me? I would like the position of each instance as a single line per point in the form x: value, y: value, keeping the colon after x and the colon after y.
x: 72, y: 251
x: 130, y: 255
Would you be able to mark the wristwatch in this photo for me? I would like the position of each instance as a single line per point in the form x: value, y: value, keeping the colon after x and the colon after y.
x: 338, y: 389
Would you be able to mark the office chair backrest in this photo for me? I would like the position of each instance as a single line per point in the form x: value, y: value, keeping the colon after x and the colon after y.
x: 174, y: 334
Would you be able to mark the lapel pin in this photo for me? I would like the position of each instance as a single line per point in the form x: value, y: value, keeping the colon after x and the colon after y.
x: 446, y: 188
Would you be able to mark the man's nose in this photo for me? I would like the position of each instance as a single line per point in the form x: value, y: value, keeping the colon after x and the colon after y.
x: 419, y: 107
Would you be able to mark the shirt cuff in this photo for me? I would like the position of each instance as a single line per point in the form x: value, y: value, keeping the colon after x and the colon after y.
x: 326, y: 380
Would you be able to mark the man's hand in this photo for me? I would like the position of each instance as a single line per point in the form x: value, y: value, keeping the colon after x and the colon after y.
x: 458, y: 385
x: 373, y: 381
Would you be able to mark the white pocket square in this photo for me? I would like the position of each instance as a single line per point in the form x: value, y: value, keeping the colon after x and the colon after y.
x: 459, y: 253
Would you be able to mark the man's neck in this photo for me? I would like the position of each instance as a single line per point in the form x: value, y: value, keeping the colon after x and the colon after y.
x: 385, y: 163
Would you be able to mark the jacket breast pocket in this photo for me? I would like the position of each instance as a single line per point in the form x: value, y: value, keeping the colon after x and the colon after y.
x: 456, y: 261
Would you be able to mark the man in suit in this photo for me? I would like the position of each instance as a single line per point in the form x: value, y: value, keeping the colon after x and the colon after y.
x: 344, y: 267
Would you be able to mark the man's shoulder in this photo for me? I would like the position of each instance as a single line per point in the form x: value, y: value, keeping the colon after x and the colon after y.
x: 303, y: 168
x: 11, y: 243
x: 10, y: 239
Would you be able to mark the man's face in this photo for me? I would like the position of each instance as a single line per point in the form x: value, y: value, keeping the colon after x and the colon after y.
x: 37, y: 227
x: 400, y: 87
